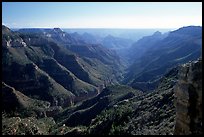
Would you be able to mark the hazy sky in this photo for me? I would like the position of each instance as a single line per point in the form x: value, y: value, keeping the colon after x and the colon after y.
x: 101, y: 14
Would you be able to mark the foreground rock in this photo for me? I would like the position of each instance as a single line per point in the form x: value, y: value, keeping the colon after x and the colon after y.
x: 188, y: 93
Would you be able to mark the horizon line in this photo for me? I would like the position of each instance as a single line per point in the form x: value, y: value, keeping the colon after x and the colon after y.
x: 96, y: 27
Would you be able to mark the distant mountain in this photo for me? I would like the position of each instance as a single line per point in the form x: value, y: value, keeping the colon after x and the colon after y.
x: 116, y: 42
x: 180, y: 46
x: 142, y: 45
x: 91, y: 39
x: 110, y: 42
x: 132, y: 34
x: 98, y: 52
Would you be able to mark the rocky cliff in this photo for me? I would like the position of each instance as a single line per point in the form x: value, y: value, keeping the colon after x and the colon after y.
x: 188, y: 100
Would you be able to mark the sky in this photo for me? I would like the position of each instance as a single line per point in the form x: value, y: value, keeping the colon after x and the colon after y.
x: 101, y: 14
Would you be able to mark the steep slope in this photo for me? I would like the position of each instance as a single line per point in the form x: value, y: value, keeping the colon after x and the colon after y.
x: 147, y: 114
x: 98, y: 62
x: 35, y: 83
x: 90, y: 70
x: 15, y: 102
x: 178, y: 47
x: 94, y: 62
x: 175, y: 107
x: 28, y: 70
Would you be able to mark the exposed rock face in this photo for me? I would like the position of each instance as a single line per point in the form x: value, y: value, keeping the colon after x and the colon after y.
x: 188, y: 101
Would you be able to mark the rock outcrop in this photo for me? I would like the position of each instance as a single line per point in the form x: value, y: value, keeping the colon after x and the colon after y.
x: 188, y: 101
